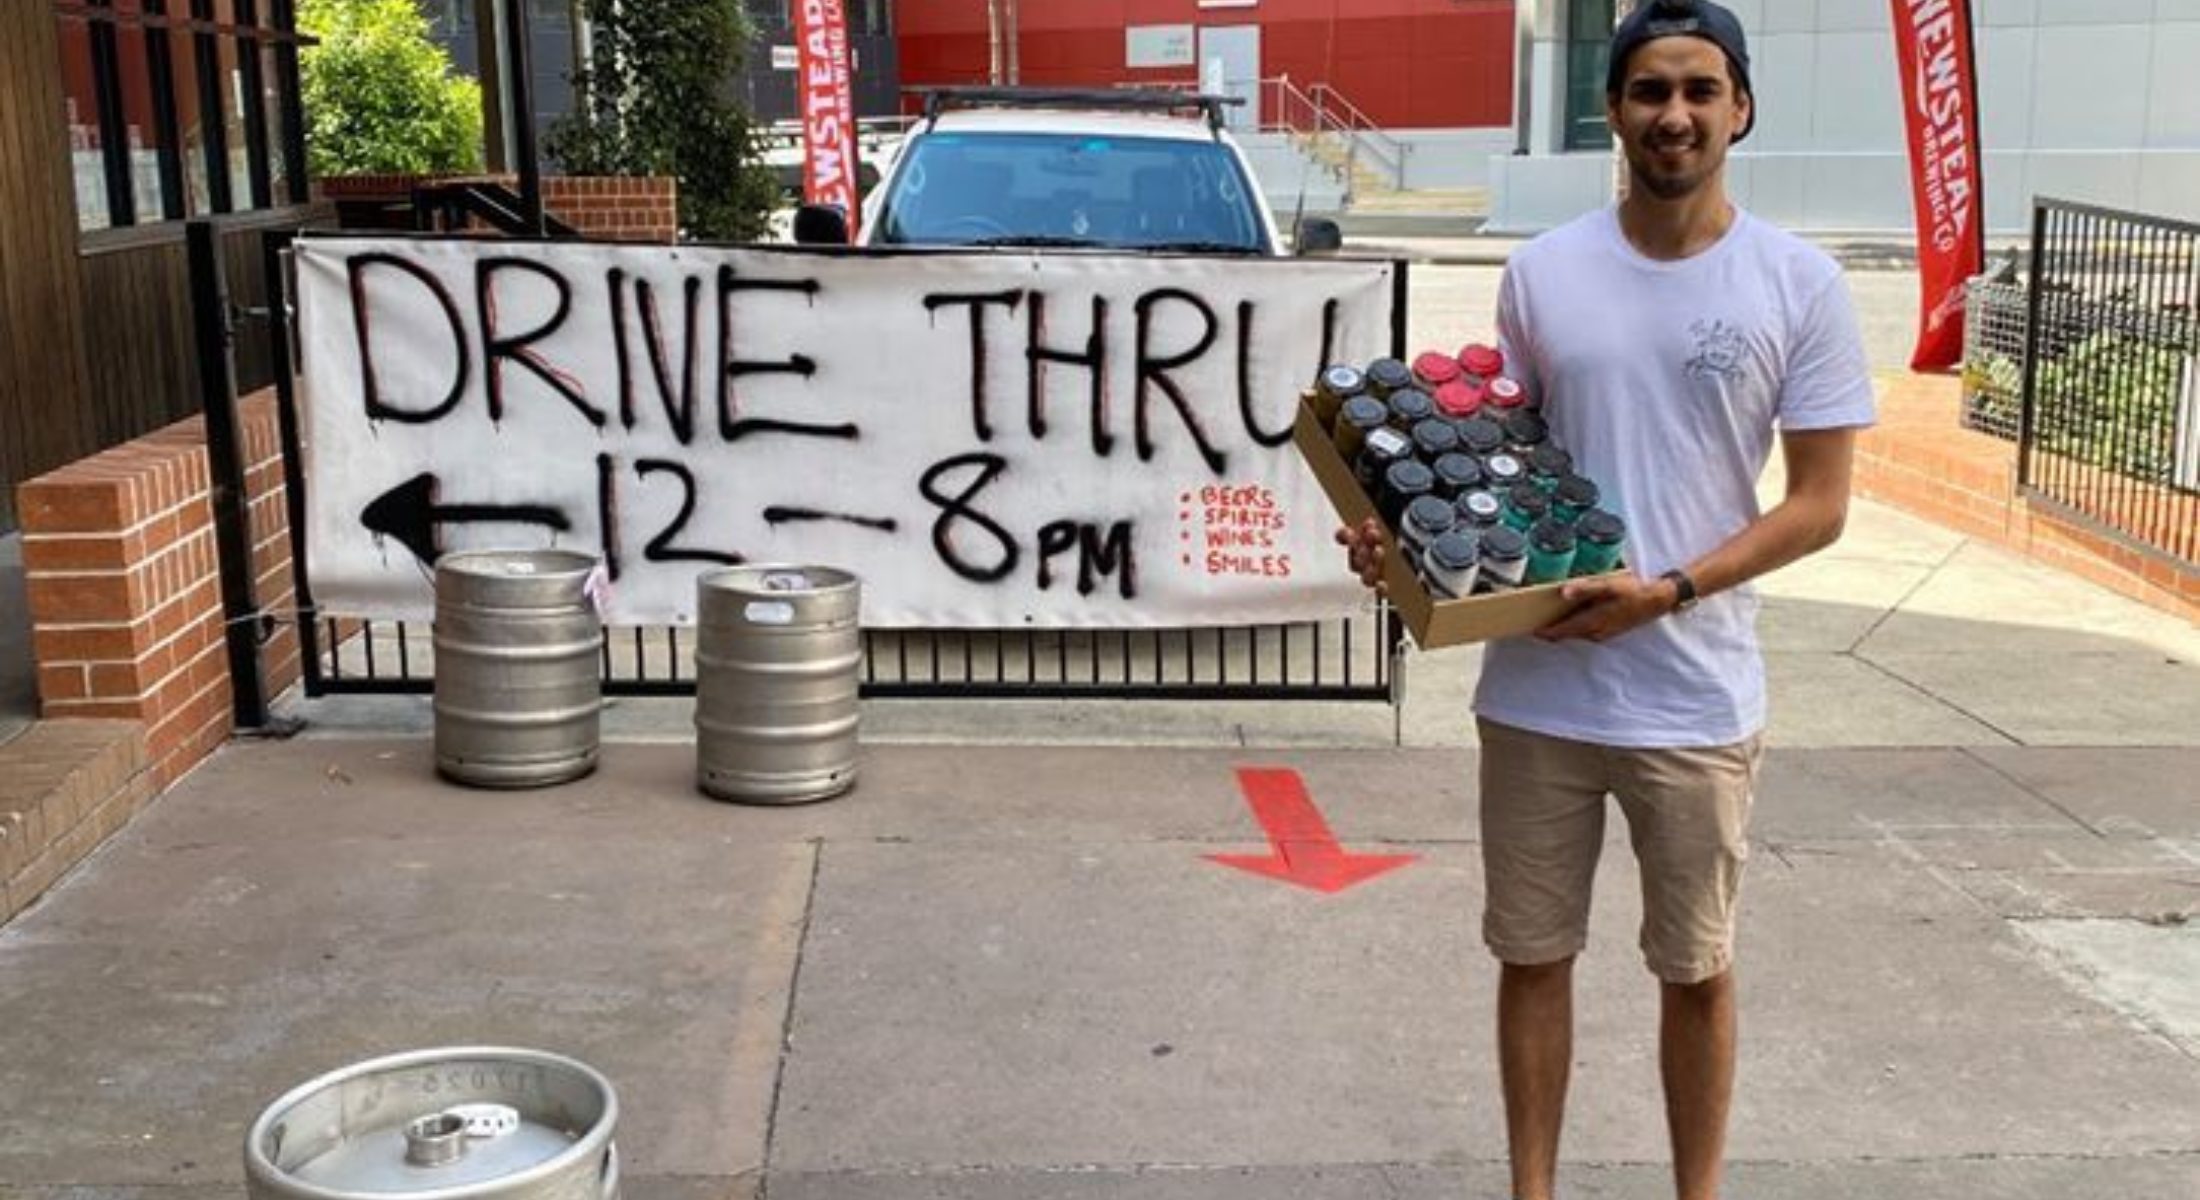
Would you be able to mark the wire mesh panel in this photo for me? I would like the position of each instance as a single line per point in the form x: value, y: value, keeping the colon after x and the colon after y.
x: 1993, y: 356
x: 2110, y: 427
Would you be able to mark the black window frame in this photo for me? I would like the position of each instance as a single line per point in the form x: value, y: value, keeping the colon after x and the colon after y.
x: 1588, y: 50
x: 149, y: 36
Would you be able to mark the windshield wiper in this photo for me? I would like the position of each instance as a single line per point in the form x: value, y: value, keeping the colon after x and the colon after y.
x: 1202, y: 247
x: 1031, y: 239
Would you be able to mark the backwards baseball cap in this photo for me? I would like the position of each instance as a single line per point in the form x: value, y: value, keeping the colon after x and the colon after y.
x: 1656, y: 19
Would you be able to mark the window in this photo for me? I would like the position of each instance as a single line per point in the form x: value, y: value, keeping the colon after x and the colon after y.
x: 1588, y: 49
x: 180, y: 108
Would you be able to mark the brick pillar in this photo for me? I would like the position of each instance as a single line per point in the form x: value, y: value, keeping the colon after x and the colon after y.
x: 125, y: 589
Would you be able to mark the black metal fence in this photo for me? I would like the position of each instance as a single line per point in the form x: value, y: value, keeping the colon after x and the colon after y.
x: 1347, y: 658
x: 2110, y: 428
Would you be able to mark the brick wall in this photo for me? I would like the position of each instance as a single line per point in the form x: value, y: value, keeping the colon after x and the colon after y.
x: 124, y: 585
x: 67, y: 785
x: 612, y: 208
x: 1920, y: 459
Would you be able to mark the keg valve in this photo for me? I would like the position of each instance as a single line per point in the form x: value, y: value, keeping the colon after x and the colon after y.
x: 441, y: 1139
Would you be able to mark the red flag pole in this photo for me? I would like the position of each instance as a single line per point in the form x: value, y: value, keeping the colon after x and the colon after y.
x: 1939, y: 72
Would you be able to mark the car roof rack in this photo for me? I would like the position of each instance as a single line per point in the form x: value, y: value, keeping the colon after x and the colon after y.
x: 1154, y: 100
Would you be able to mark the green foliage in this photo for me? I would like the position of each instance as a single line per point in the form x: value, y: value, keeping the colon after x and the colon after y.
x: 2109, y: 399
x: 379, y: 96
x: 659, y: 100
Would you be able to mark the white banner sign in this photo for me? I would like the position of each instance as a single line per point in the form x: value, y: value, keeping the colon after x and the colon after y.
x: 1158, y: 46
x: 989, y: 440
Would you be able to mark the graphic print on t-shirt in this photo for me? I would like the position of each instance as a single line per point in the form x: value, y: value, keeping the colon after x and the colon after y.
x: 1719, y: 347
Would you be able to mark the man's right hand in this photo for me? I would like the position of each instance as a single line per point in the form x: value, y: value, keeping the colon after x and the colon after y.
x: 1364, y: 546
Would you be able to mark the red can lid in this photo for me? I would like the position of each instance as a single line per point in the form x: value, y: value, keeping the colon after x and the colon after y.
x: 1458, y: 400
x: 1506, y: 393
x: 1482, y: 360
x: 1436, y: 370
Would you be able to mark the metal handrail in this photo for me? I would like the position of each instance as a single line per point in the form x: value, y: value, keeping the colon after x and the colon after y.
x: 1390, y: 151
x: 1329, y: 112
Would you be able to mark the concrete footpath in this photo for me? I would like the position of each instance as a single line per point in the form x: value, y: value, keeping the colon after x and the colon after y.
x: 1971, y: 964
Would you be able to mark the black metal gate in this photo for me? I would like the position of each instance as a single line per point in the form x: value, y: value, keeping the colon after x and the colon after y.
x: 2110, y: 429
x: 1351, y: 658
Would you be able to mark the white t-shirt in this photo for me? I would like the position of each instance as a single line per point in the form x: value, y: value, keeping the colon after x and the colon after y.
x: 1666, y: 380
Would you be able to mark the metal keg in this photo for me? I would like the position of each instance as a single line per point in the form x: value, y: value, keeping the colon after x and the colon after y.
x: 461, y: 1123
x: 518, y: 688
x: 777, y: 655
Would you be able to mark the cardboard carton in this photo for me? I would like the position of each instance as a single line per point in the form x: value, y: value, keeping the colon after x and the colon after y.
x: 1433, y: 623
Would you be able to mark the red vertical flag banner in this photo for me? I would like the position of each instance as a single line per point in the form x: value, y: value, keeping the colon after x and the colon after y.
x: 828, y: 107
x: 1940, y: 108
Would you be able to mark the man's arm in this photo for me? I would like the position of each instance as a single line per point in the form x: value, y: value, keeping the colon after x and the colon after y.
x: 1808, y: 519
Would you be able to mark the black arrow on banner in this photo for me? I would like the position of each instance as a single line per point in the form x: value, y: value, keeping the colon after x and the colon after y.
x: 409, y: 513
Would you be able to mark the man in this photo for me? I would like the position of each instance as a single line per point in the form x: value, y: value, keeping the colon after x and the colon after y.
x: 1668, y: 338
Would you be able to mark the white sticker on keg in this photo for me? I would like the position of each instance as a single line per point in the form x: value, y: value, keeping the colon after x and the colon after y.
x: 518, y: 566
x: 486, y: 1120
x: 786, y: 581
x: 769, y: 612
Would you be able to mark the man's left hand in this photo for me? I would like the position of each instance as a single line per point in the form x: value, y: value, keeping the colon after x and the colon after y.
x: 1608, y: 606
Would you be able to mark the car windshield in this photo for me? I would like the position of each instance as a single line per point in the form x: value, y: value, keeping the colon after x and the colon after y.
x: 1051, y: 189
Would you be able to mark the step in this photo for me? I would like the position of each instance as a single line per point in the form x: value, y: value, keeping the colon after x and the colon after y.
x: 65, y: 787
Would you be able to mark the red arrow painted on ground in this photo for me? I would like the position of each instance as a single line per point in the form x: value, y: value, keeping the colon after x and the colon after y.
x: 1302, y: 850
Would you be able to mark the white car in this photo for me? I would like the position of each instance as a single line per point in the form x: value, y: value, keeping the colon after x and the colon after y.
x: 1083, y: 169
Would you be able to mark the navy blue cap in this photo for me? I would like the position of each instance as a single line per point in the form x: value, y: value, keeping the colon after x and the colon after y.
x: 1683, y: 18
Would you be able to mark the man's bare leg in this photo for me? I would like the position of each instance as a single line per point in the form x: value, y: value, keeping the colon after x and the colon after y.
x: 1696, y: 1058
x: 1535, y: 1053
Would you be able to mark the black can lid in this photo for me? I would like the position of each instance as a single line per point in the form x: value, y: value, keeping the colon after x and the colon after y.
x: 1481, y: 435
x: 1389, y: 374
x: 1503, y: 468
x: 1455, y: 551
x: 1366, y: 412
x: 1552, y: 536
x: 1529, y: 499
x: 1435, y: 436
x: 1503, y: 541
x: 1387, y: 443
x: 1409, y: 477
x: 1459, y: 471
x: 1478, y: 506
x: 1550, y: 460
x: 1601, y: 527
x: 1342, y: 379
x: 1411, y: 404
x: 1577, y: 490
x: 1432, y: 513
x: 1526, y: 429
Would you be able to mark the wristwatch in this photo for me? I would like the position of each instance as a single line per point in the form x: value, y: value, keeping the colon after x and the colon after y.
x: 1684, y: 589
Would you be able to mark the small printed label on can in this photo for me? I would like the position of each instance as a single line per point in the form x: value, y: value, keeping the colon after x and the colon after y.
x: 769, y: 612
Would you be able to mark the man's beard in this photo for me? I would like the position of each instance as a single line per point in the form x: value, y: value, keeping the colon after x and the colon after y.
x: 1664, y: 186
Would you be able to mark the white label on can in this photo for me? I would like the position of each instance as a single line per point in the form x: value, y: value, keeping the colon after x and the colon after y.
x: 769, y: 612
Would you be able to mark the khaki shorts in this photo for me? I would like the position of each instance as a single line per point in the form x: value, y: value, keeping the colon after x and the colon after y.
x: 1543, y: 824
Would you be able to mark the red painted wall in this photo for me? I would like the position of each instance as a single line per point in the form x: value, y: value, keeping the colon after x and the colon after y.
x: 1406, y: 63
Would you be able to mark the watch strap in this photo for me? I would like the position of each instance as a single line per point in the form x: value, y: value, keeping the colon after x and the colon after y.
x: 1684, y: 589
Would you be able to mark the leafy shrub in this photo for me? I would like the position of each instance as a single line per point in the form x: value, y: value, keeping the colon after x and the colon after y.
x: 379, y: 96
